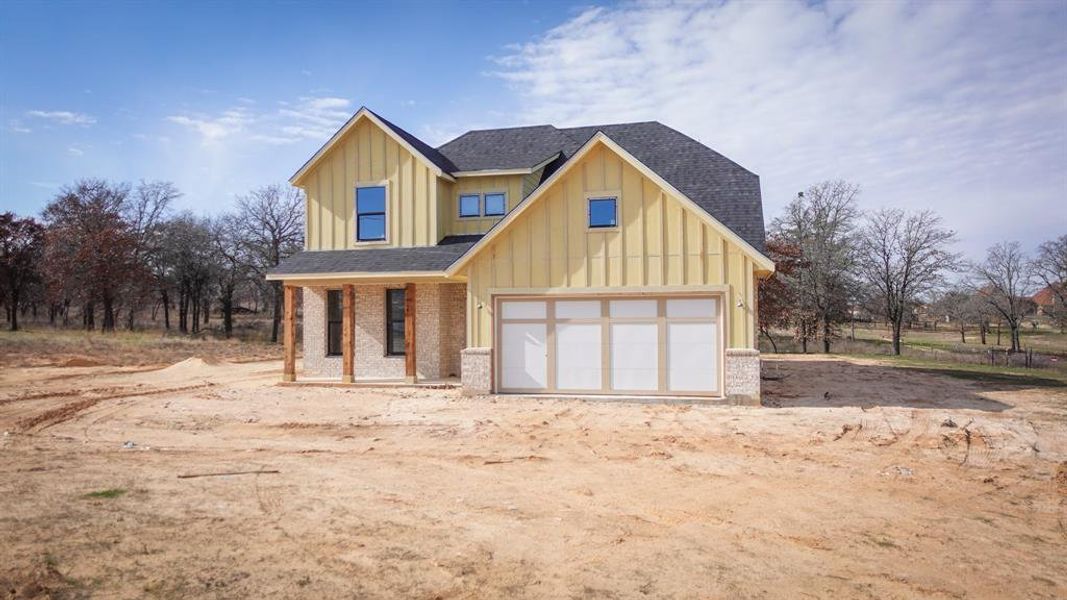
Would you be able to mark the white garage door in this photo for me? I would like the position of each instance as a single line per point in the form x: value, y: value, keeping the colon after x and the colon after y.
x: 646, y: 345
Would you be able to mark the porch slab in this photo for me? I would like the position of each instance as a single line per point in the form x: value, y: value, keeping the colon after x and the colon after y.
x: 449, y: 383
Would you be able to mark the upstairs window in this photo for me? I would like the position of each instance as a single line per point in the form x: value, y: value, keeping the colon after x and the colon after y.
x: 394, y: 322
x: 603, y: 213
x: 495, y: 204
x: 469, y: 205
x: 370, y: 214
x: 334, y: 320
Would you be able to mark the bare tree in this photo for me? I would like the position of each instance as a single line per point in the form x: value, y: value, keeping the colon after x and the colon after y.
x: 821, y: 222
x: 272, y: 228
x: 904, y: 256
x: 960, y: 307
x: 189, y: 254
x: 144, y: 211
x: 21, y: 249
x: 1050, y: 267
x: 233, y: 264
x: 1002, y: 281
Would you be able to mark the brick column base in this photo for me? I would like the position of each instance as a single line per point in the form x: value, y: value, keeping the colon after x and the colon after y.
x: 743, y: 376
x: 476, y: 371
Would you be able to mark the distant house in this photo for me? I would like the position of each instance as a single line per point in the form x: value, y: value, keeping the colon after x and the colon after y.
x: 612, y: 259
x: 1047, y: 302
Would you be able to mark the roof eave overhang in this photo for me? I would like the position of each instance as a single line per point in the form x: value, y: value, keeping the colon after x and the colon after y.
x: 363, y: 113
x: 492, y: 172
x: 762, y: 263
x: 363, y: 277
x: 499, y: 172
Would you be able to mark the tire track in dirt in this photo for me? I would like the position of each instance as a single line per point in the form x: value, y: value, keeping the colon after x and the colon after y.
x: 69, y: 410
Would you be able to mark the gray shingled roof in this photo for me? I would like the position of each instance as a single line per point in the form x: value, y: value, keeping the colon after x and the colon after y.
x: 425, y: 149
x: 378, y: 260
x: 724, y: 189
x: 512, y: 148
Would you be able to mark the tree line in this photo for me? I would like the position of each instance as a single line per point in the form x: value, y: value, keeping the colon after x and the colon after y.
x: 111, y: 255
x: 835, y: 262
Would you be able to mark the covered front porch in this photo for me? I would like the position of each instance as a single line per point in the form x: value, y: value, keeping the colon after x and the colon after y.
x: 379, y: 332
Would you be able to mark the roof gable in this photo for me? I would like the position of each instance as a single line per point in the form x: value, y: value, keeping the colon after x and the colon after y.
x: 602, y: 138
x: 433, y: 159
x: 725, y: 190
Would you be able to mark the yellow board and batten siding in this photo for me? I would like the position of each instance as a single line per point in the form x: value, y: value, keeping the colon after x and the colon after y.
x: 368, y: 156
x: 510, y: 185
x: 659, y: 243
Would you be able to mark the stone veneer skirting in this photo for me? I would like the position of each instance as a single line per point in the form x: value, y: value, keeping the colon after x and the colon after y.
x: 440, y: 325
x: 742, y: 376
x: 477, y: 371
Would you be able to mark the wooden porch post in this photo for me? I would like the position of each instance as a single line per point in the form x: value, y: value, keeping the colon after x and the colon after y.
x: 289, y: 333
x: 409, y: 333
x: 347, y: 323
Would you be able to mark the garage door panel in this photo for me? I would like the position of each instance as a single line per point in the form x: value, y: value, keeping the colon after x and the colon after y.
x: 634, y: 358
x: 646, y: 309
x: 639, y: 344
x: 523, y: 310
x: 692, y: 362
x: 691, y: 307
x: 578, y: 309
x: 578, y: 355
x: 523, y: 359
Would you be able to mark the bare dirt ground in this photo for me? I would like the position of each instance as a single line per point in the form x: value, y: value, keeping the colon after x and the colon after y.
x: 855, y: 480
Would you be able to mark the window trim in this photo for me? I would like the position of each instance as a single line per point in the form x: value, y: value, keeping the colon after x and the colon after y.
x: 459, y: 205
x: 355, y: 211
x: 485, y: 204
x: 615, y: 195
x: 390, y: 318
x: 329, y: 321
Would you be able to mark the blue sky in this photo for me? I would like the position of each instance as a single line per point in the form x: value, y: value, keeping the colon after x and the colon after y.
x: 957, y: 106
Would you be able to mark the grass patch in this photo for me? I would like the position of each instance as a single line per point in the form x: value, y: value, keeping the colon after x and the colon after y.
x: 979, y: 372
x: 108, y: 493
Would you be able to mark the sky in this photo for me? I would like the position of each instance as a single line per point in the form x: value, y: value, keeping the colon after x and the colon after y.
x: 959, y: 107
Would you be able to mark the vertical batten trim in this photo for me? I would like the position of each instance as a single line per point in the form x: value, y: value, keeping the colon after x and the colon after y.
x: 683, y: 223
x: 605, y: 346
x: 661, y: 345
x: 663, y: 250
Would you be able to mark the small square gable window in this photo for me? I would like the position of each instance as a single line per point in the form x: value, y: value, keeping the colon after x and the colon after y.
x: 469, y: 205
x: 495, y: 205
x: 603, y: 212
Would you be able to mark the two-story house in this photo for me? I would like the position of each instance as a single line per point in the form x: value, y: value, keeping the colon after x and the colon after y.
x: 613, y: 259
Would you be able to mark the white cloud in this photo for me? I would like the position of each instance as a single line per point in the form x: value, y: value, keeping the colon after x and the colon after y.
x: 62, y: 117
x: 75, y: 151
x: 16, y: 126
x: 215, y: 128
x: 957, y: 106
x: 308, y: 118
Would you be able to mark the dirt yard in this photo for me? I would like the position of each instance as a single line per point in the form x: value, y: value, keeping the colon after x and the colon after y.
x: 855, y: 480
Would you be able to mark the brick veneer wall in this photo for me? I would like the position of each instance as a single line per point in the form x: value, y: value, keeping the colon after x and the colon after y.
x: 316, y: 363
x: 453, y: 327
x: 743, y: 376
x: 440, y: 326
x: 477, y: 371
